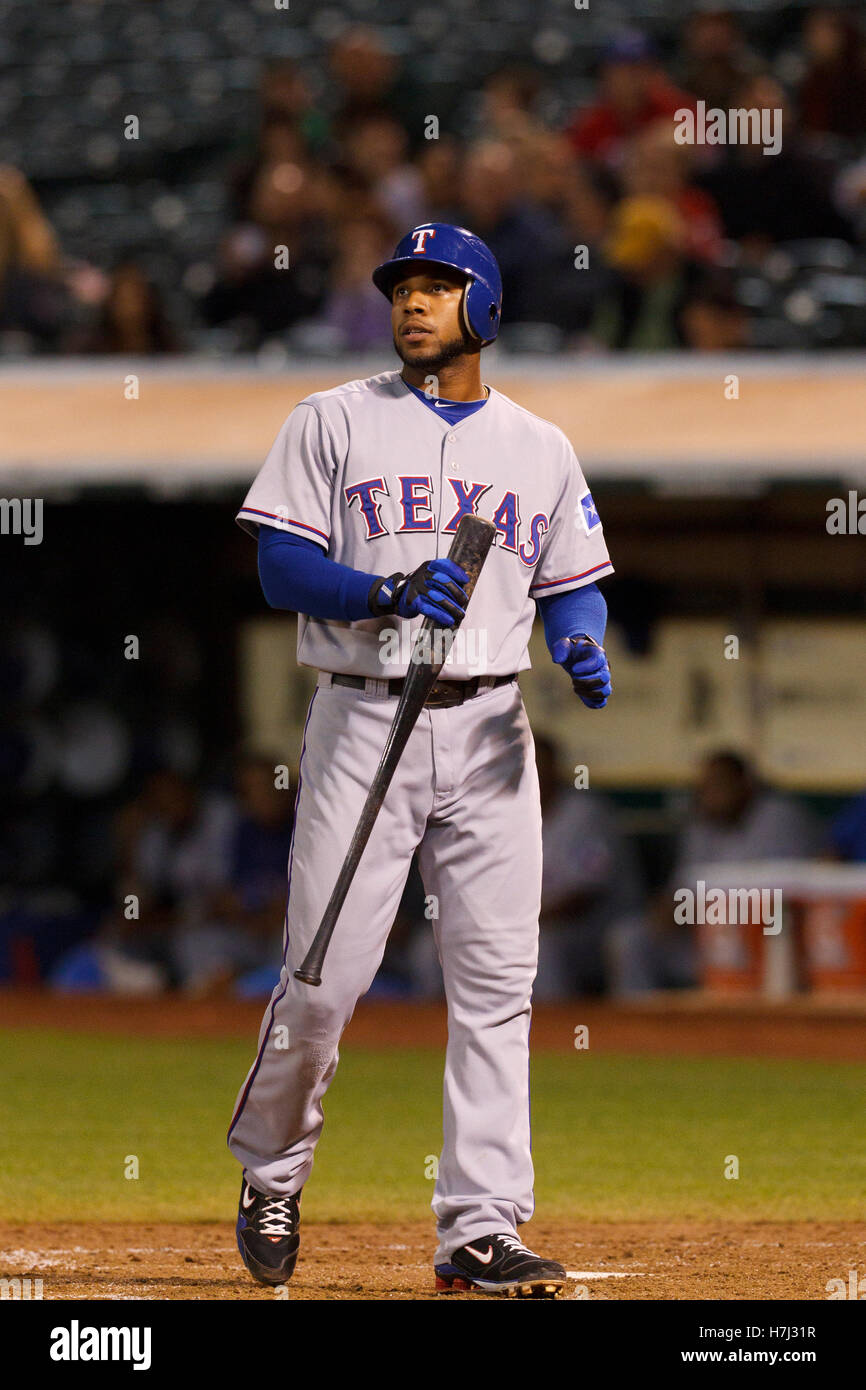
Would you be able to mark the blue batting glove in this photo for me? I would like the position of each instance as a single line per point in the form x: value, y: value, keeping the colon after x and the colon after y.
x: 434, y: 590
x: 586, y: 663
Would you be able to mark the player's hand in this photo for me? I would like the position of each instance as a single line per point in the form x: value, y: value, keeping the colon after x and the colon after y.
x: 586, y: 663
x: 434, y: 590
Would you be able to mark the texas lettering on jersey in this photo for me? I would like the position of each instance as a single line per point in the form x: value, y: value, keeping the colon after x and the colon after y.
x: 380, y: 482
x: 415, y: 510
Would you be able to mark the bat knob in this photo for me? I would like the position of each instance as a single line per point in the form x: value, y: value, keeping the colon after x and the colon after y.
x: 307, y: 977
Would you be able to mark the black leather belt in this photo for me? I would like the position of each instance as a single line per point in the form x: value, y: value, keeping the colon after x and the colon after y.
x: 442, y: 693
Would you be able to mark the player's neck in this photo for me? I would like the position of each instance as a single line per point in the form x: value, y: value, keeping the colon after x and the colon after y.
x: 459, y: 381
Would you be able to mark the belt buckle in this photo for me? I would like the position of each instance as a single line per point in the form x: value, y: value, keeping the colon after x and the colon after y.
x: 443, y: 695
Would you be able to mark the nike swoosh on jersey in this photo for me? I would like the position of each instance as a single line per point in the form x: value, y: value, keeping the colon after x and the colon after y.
x: 482, y: 1259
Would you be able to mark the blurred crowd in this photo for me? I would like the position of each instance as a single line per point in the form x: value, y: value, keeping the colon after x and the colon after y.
x: 200, y: 889
x: 142, y: 850
x: 340, y: 168
x: 194, y: 896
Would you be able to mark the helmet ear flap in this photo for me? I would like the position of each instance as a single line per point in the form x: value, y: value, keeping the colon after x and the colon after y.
x: 464, y: 305
x: 485, y: 311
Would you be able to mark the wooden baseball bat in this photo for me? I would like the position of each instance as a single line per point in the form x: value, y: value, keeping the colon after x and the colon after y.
x: 469, y: 549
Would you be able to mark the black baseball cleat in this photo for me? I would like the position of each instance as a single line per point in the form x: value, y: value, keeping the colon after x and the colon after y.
x: 500, y: 1264
x: 268, y: 1234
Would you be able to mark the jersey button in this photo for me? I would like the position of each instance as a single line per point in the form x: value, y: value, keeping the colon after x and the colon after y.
x: 451, y: 439
x: 454, y: 465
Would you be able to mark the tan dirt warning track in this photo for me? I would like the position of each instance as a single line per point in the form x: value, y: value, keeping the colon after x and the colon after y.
x: 679, y: 1024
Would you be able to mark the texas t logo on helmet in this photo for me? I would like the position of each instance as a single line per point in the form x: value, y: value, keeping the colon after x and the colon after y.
x: 421, y: 237
x: 459, y: 249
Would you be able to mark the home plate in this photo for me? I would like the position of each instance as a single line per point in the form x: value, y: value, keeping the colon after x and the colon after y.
x: 606, y: 1274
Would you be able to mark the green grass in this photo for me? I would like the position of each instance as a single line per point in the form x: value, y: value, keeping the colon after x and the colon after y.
x: 613, y: 1137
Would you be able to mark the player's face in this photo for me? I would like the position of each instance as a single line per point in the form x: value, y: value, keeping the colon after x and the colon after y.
x: 427, y: 321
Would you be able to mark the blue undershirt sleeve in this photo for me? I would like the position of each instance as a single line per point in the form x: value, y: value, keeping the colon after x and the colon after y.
x: 296, y: 574
x: 572, y: 613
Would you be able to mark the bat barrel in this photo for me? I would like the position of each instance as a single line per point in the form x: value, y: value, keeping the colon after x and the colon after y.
x: 307, y: 976
x: 310, y: 969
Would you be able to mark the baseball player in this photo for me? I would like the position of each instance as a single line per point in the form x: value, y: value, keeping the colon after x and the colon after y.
x: 354, y: 510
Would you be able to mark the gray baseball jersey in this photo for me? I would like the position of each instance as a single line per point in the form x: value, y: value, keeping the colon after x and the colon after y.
x: 368, y: 472
x: 380, y: 482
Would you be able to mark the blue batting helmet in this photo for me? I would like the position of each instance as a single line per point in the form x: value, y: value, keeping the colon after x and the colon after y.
x: 438, y: 243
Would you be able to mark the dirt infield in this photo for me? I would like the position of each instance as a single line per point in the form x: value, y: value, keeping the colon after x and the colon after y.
x: 645, y: 1261
x: 680, y: 1024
